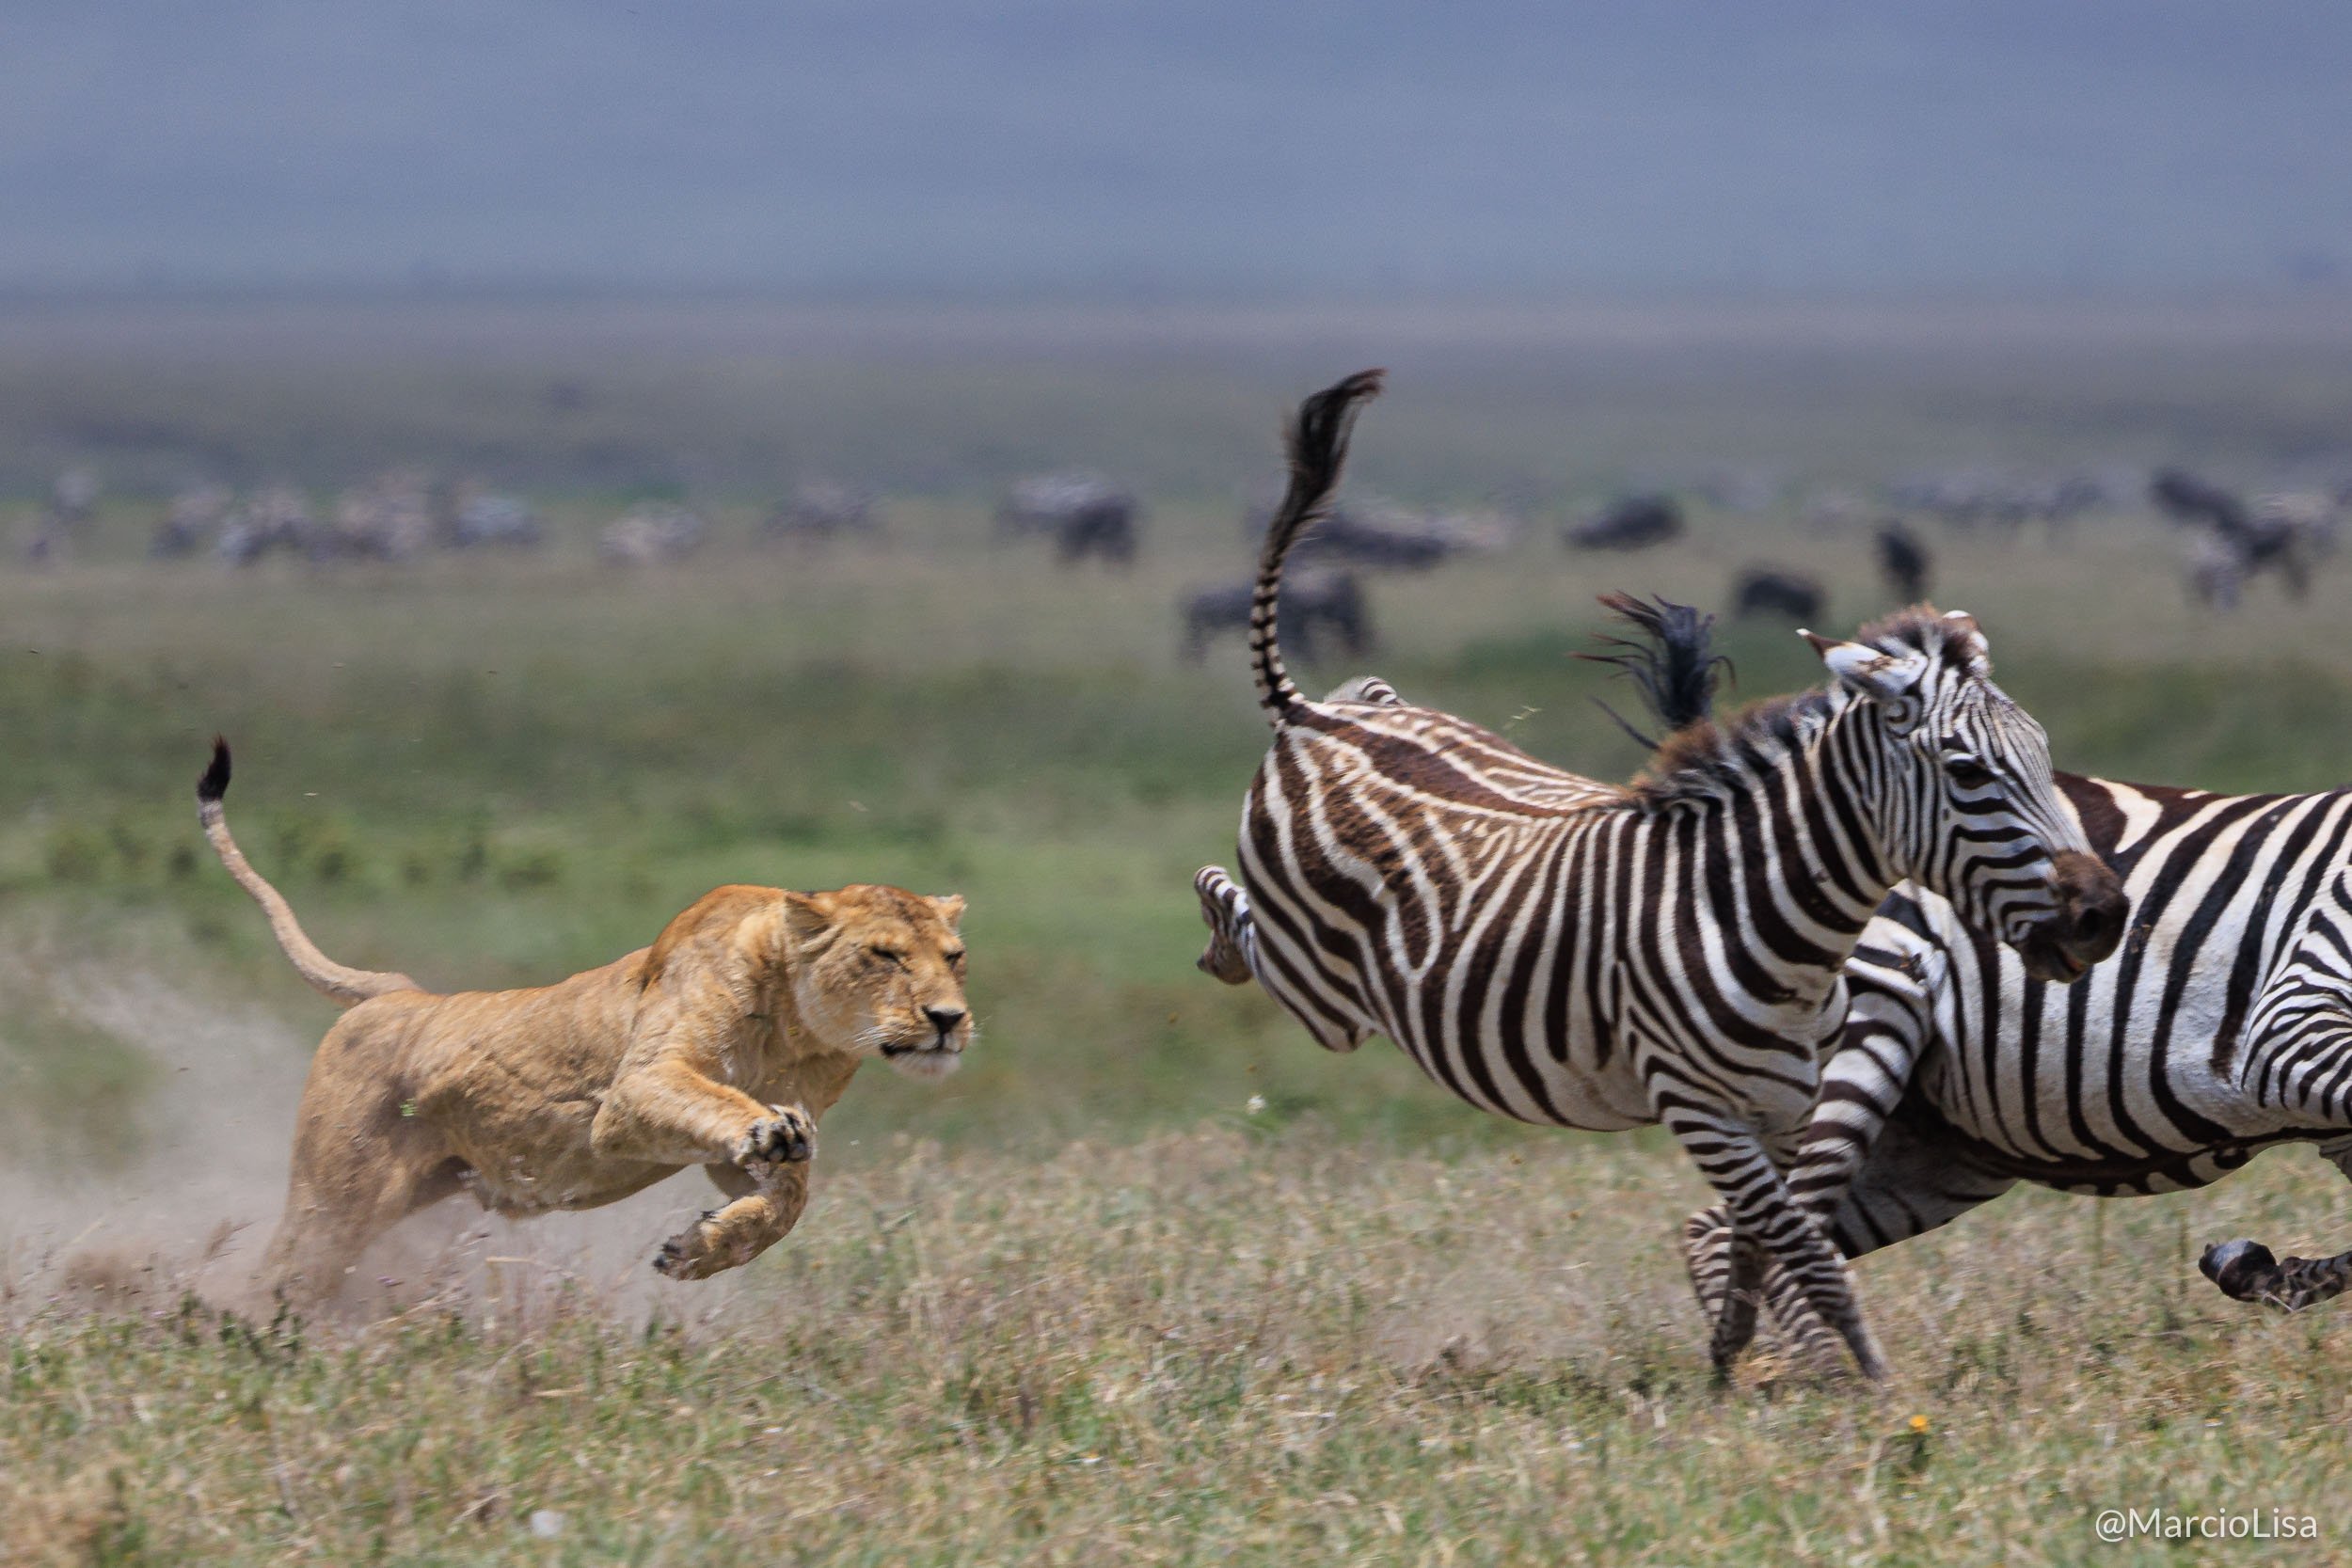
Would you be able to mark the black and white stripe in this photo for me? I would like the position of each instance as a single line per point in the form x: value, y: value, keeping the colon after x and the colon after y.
x: 2224, y: 1027
x: 1585, y: 955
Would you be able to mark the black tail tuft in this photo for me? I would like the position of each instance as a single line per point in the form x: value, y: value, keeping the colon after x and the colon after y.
x: 1317, y: 442
x: 1674, y: 664
x: 214, y: 784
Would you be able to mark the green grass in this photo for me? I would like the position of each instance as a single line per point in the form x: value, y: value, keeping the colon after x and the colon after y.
x: 1081, y: 1300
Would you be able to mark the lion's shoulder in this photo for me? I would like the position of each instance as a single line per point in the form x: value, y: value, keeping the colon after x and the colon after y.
x: 721, y: 912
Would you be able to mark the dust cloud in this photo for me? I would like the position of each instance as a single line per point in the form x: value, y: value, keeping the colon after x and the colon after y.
x: 186, y: 1197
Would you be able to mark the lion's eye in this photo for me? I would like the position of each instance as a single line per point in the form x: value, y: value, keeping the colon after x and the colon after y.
x: 896, y: 961
x: 955, y: 958
x: 1967, y: 772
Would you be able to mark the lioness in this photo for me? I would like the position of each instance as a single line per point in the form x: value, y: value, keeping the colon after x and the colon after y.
x: 720, y: 1046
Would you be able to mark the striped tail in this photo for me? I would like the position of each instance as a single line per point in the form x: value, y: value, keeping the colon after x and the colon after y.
x: 1318, y: 440
x: 349, y: 987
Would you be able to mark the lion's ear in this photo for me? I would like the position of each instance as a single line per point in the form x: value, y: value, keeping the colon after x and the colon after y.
x: 808, y: 915
x: 950, y: 909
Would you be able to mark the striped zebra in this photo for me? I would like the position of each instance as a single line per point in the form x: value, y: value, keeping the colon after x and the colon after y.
x: 2225, y: 1027
x: 1577, y: 954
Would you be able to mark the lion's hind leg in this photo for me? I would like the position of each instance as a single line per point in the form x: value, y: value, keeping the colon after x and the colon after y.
x: 346, y: 1189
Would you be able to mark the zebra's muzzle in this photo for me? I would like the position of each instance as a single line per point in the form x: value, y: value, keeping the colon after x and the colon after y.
x: 2092, y: 911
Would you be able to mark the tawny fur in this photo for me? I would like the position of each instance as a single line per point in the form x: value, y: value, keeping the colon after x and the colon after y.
x: 721, y: 1045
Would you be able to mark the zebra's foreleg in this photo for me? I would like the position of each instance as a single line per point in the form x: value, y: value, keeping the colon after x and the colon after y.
x: 1862, y: 1084
x: 2248, y: 1270
x: 1232, y: 936
x: 1763, y: 1214
x: 2301, y: 1041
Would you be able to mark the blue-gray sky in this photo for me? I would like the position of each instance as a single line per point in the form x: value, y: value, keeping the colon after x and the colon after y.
x: 1045, y: 146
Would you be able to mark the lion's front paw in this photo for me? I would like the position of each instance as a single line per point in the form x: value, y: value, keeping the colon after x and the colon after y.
x: 788, y: 1137
x: 691, y: 1255
x: 680, y: 1256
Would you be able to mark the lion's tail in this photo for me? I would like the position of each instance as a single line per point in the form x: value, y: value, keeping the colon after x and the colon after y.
x: 349, y: 987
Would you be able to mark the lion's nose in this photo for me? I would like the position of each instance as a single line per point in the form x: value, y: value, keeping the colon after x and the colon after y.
x: 944, y: 1019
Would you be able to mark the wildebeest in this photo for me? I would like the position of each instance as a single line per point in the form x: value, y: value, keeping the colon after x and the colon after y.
x: 820, y: 513
x: 1967, y: 499
x: 1628, y: 523
x: 1085, y: 514
x: 195, y: 516
x: 651, y: 533
x: 276, y: 518
x: 478, y: 517
x: 1769, y: 591
x: 1312, y: 602
x: 72, y: 503
x: 2184, y: 498
x: 1380, y: 537
x: 2286, y: 534
x: 1903, y: 561
x: 390, y: 518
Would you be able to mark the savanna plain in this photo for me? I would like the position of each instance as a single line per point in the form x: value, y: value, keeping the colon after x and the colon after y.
x: 1153, y: 1279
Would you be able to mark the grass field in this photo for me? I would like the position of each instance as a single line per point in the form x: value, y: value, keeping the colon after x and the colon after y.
x: 1082, y: 1302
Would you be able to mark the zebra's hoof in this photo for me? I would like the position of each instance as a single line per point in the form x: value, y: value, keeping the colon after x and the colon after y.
x: 2240, y: 1267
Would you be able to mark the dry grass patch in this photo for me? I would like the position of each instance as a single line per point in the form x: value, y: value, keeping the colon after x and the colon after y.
x: 1206, y: 1347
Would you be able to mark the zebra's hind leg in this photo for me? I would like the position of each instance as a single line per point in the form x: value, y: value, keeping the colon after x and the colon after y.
x: 1735, y: 1161
x: 2248, y: 1270
x: 1862, y: 1084
x: 1812, y: 1346
x: 1232, y: 938
x: 1913, y: 1178
x: 1741, y: 1284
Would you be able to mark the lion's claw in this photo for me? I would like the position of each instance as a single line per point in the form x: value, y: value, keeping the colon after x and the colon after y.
x: 788, y: 1137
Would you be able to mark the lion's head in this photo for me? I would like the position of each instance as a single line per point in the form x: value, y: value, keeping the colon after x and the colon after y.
x: 879, y: 971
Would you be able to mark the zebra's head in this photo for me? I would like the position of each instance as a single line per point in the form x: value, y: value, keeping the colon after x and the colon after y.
x: 1967, y: 807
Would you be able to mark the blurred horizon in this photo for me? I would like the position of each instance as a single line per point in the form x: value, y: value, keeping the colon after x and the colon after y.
x: 1042, y: 150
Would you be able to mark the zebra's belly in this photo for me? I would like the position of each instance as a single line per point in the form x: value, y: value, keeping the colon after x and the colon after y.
x: 2099, y: 1103
x: 1550, y: 1084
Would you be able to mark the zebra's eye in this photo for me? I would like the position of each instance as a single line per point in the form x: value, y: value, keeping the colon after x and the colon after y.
x: 1967, y: 772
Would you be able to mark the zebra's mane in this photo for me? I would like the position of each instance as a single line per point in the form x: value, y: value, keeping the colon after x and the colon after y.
x: 1952, y: 638
x: 1707, y: 758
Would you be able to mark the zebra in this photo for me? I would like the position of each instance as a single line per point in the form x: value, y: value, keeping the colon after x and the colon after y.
x: 2225, y: 1028
x: 1577, y: 954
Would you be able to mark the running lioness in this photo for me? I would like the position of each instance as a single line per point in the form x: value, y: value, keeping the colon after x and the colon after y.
x: 720, y: 1046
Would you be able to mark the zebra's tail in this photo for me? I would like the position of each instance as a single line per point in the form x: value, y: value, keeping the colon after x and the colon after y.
x: 347, y: 986
x: 1672, y: 663
x: 1317, y: 443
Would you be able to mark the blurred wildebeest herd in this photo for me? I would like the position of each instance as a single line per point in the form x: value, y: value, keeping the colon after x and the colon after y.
x: 2227, y: 537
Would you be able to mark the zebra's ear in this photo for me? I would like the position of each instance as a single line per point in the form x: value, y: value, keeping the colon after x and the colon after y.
x: 1867, y: 671
x: 1966, y: 639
